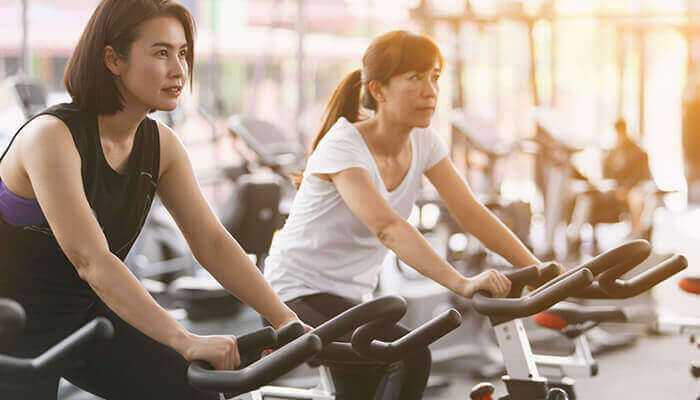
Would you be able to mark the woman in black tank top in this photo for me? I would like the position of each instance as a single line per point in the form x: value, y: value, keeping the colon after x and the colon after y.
x: 94, y: 166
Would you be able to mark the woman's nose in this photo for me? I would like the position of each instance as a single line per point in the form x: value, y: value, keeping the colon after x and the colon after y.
x: 179, y: 68
x: 430, y: 89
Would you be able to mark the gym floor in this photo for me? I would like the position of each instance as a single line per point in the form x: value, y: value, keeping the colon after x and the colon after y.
x: 656, y: 366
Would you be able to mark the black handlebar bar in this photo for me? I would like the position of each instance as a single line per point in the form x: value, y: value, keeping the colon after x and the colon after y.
x: 252, y: 344
x: 621, y: 289
x: 626, y: 256
x: 381, y: 312
x: 364, y: 342
x: 289, y: 333
x: 534, y: 275
x: 503, y: 310
x: 56, y: 357
x: 386, y: 310
x: 520, y: 278
x: 202, y: 376
x: 368, y: 321
x: 12, y: 317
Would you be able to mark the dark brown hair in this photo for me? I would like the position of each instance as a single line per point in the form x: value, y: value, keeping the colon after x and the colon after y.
x: 116, y: 23
x: 388, y: 55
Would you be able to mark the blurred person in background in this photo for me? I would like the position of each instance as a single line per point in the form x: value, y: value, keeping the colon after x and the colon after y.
x: 628, y: 165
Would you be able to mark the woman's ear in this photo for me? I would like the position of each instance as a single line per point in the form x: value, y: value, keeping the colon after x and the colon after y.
x: 111, y: 59
x: 377, y: 91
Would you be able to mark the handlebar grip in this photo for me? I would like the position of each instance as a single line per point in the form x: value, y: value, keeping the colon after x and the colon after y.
x: 502, y: 310
x: 387, y: 310
x: 520, y: 278
x: 289, y: 332
x: 12, y: 317
x: 98, y: 329
x: 365, y: 345
x: 620, y: 289
x: 384, y: 308
x: 252, y: 344
x: 233, y: 383
x: 548, y: 271
x: 629, y: 254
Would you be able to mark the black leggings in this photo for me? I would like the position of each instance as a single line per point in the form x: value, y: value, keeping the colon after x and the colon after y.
x: 362, y: 381
x: 130, y: 366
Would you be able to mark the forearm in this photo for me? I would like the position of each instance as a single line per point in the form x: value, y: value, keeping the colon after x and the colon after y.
x: 122, y: 293
x: 410, y: 246
x: 230, y: 265
x: 495, y: 235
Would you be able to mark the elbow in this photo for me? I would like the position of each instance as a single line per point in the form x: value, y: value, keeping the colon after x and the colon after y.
x: 387, y: 231
x: 86, y: 264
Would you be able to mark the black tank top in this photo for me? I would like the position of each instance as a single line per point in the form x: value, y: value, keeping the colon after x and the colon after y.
x: 33, y: 268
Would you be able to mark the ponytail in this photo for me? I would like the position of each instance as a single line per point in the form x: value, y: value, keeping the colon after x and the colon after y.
x: 344, y: 102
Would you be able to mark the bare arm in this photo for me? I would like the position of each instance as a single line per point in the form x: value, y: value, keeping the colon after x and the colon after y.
x: 475, y: 218
x: 211, y: 244
x: 358, y: 192
x: 52, y: 163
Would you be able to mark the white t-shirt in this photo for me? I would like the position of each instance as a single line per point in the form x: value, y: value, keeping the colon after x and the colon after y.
x: 323, y: 246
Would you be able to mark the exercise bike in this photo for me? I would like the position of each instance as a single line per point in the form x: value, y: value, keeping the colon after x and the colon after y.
x: 293, y: 347
x: 364, y: 324
x: 597, y: 278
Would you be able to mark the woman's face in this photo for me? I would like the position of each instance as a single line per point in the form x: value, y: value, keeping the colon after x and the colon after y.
x: 155, y: 71
x: 411, y: 97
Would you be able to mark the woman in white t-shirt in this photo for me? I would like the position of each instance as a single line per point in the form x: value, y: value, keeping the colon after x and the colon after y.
x: 358, y: 188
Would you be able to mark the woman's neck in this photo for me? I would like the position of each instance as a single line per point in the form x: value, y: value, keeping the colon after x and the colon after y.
x: 121, y: 126
x: 384, y: 137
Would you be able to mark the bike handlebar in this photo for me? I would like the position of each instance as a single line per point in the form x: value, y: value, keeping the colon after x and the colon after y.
x: 364, y: 342
x: 622, y: 289
x: 626, y: 256
x: 202, y: 376
x: 12, y: 317
x: 367, y: 321
x: 386, y: 310
x: 56, y: 357
x: 503, y: 310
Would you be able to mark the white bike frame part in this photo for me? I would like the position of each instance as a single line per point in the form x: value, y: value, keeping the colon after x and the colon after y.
x: 678, y: 324
x: 324, y: 391
x: 517, y: 353
x: 579, y: 363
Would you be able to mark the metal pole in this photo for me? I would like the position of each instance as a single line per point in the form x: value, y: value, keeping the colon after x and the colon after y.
x: 620, y: 71
x: 533, y: 65
x: 300, y: 69
x: 553, y: 61
x: 214, y: 70
x: 25, y: 62
x: 642, y: 79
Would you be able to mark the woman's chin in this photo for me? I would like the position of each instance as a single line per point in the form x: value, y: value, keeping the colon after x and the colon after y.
x: 424, y: 123
x: 165, y: 106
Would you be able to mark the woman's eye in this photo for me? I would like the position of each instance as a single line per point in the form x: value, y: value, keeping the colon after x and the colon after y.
x: 415, y: 77
x: 162, y: 53
x: 183, y: 53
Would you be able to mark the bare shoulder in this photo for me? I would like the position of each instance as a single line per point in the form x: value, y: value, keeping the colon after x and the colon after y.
x: 46, y: 137
x: 170, y: 147
x: 45, y: 143
x: 45, y: 131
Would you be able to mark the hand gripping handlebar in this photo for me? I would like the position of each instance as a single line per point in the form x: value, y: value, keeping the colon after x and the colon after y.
x: 249, y: 377
x: 503, y: 310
